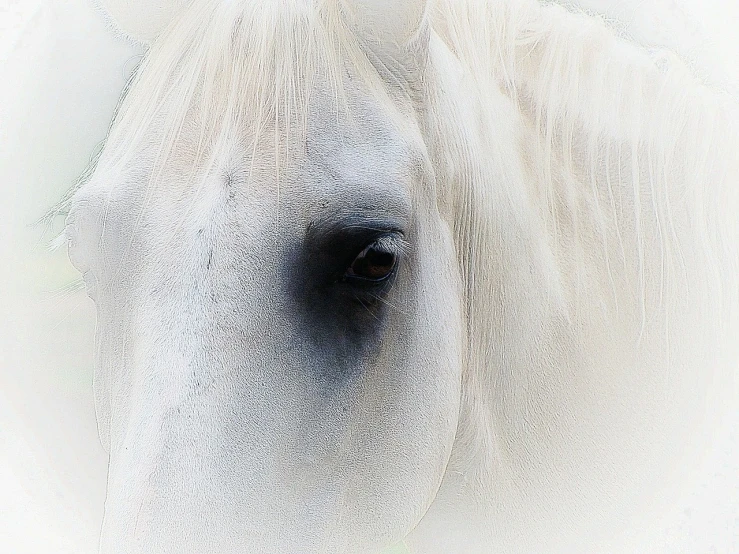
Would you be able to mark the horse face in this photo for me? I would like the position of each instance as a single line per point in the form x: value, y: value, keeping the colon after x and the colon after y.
x: 279, y: 363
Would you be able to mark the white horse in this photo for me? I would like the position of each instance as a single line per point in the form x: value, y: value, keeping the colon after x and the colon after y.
x: 458, y: 273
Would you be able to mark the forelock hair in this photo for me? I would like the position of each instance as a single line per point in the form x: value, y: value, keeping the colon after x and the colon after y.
x: 238, y: 72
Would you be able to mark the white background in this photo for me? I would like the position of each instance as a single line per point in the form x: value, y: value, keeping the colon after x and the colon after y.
x: 61, y: 73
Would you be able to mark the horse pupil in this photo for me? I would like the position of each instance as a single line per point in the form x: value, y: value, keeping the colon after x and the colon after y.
x: 375, y: 264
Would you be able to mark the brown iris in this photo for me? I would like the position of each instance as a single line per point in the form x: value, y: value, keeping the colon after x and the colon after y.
x: 374, y: 263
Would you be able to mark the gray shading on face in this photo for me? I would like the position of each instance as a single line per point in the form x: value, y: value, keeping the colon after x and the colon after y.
x: 280, y: 355
x: 352, y: 272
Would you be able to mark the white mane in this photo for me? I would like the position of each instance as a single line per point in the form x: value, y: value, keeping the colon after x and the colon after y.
x: 576, y: 81
x: 632, y: 168
x: 600, y: 108
x: 606, y: 115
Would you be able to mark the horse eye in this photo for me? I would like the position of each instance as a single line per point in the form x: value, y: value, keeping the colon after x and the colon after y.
x: 375, y: 263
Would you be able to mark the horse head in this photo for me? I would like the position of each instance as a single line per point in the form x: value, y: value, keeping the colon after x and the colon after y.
x: 368, y: 270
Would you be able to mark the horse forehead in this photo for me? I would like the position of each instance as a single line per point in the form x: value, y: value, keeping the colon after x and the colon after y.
x: 355, y: 143
x: 372, y: 140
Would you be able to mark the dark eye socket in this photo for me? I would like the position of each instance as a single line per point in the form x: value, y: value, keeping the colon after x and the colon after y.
x: 376, y: 262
